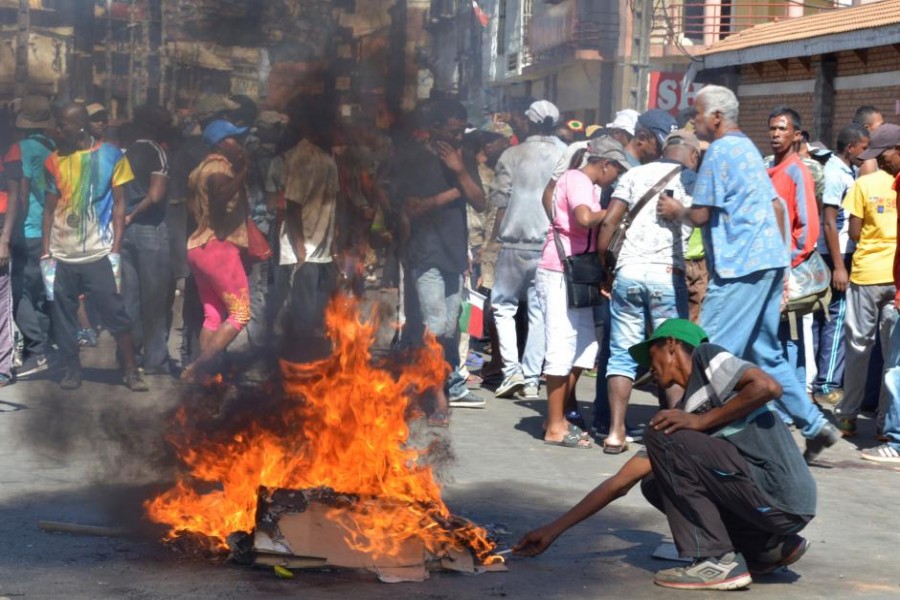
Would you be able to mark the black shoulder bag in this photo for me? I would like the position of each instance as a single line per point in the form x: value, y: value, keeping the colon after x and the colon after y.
x: 582, y: 272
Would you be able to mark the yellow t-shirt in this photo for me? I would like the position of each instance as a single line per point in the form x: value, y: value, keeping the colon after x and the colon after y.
x: 873, y: 199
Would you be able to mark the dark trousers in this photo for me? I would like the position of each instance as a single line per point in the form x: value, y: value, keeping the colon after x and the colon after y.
x: 147, y: 291
x: 31, y: 308
x: 312, y: 287
x: 192, y: 322
x: 703, y: 485
x: 94, y: 280
x: 602, y: 413
x: 828, y: 338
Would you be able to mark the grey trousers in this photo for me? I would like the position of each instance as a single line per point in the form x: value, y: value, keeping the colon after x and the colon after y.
x: 7, y: 326
x: 870, y: 309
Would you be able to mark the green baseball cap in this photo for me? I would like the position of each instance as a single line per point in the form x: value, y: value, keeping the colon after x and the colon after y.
x: 680, y: 329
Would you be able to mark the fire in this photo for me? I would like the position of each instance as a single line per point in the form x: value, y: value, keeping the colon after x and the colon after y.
x: 343, y: 425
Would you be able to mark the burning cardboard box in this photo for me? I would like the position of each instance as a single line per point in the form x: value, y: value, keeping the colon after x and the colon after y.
x: 313, y: 528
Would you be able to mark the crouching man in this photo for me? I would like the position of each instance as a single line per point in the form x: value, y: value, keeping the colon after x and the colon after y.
x: 722, y: 466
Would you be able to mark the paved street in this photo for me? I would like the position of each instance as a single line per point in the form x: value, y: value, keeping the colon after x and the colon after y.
x: 87, y: 458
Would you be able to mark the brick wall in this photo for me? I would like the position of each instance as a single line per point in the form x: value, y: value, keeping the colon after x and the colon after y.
x: 877, y: 60
x: 754, y: 119
x: 847, y: 101
x: 776, y: 71
x: 755, y: 109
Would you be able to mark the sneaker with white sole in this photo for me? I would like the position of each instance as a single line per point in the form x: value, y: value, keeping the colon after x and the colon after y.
x: 510, y: 385
x: 883, y: 454
x: 32, y: 365
x: 530, y: 392
x: 728, y: 572
x: 470, y: 400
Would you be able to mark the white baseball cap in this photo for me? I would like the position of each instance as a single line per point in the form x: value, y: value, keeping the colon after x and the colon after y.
x: 625, y: 120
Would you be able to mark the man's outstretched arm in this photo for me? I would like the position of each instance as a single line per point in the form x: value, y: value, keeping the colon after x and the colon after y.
x: 535, y: 542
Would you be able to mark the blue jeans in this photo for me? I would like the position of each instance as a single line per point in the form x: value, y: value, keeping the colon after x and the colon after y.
x: 643, y: 296
x: 794, y: 352
x: 514, y: 281
x: 439, y: 295
x: 742, y: 315
x: 148, y: 292
x: 892, y: 386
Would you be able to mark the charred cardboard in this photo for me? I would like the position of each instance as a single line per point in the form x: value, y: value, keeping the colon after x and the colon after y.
x: 294, y: 531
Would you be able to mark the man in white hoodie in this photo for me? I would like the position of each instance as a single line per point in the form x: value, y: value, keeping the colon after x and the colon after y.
x: 521, y: 228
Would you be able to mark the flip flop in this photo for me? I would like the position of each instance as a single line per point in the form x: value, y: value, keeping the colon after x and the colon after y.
x: 572, y: 439
x: 614, y: 448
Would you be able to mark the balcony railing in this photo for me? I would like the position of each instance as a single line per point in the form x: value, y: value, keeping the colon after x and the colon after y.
x: 702, y: 23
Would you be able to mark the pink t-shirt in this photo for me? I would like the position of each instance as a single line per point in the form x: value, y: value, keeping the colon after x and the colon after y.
x: 573, y: 189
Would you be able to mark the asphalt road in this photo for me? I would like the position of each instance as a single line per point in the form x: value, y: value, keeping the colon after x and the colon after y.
x: 91, y: 456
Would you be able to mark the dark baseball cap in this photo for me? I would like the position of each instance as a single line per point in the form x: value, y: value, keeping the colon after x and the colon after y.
x: 658, y: 122
x: 680, y: 329
x: 610, y: 149
x: 886, y: 136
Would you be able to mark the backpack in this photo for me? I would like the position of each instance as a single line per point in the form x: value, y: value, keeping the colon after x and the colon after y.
x: 810, y: 291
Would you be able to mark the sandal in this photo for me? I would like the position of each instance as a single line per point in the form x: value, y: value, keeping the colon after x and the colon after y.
x: 574, y: 438
x: 575, y: 418
x: 614, y: 448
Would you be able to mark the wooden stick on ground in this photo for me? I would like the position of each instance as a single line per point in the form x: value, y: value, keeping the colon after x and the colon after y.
x: 61, y: 527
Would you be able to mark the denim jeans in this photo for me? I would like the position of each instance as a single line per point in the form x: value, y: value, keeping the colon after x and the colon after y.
x: 794, y: 352
x: 643, y: 296
x: 440, y: 297
x: 7, y: 326
x: 742, y: 315
x: 514, y: 281
x: 892, y: 385
x: 147, y: 290
x: 32, y: 310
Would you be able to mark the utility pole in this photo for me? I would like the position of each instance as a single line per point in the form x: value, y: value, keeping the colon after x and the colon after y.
x: 129, y: 96
x: 24, y: 24
x: 108, y: 84
x: 639, y: 67
x: 82, y: 15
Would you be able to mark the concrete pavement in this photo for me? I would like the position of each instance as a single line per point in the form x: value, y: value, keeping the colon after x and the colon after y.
x: 90, y: 456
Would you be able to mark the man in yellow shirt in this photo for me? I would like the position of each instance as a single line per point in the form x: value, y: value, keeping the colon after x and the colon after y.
x: 872, y: 205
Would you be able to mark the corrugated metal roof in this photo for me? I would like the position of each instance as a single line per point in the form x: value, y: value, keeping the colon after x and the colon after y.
x: 832, y: 22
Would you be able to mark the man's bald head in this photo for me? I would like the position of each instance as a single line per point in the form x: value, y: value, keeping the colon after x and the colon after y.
x: 74, y: 113
x: 72, y: 123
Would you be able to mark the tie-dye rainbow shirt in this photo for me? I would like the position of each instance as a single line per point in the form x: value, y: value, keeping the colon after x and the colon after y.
x: 82, y: 225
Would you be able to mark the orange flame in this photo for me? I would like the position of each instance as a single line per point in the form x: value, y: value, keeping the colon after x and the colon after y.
x: 344, y: 427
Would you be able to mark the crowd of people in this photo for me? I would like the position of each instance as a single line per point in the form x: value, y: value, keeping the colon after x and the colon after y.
x: 243, y: 214
x: 258, y: 219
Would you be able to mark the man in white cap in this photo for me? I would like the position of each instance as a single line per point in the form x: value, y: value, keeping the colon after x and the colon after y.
x: 521, y: 228
x: 622, y: 127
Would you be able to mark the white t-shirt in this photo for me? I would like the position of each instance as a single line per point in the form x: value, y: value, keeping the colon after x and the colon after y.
x: 652, y: 239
